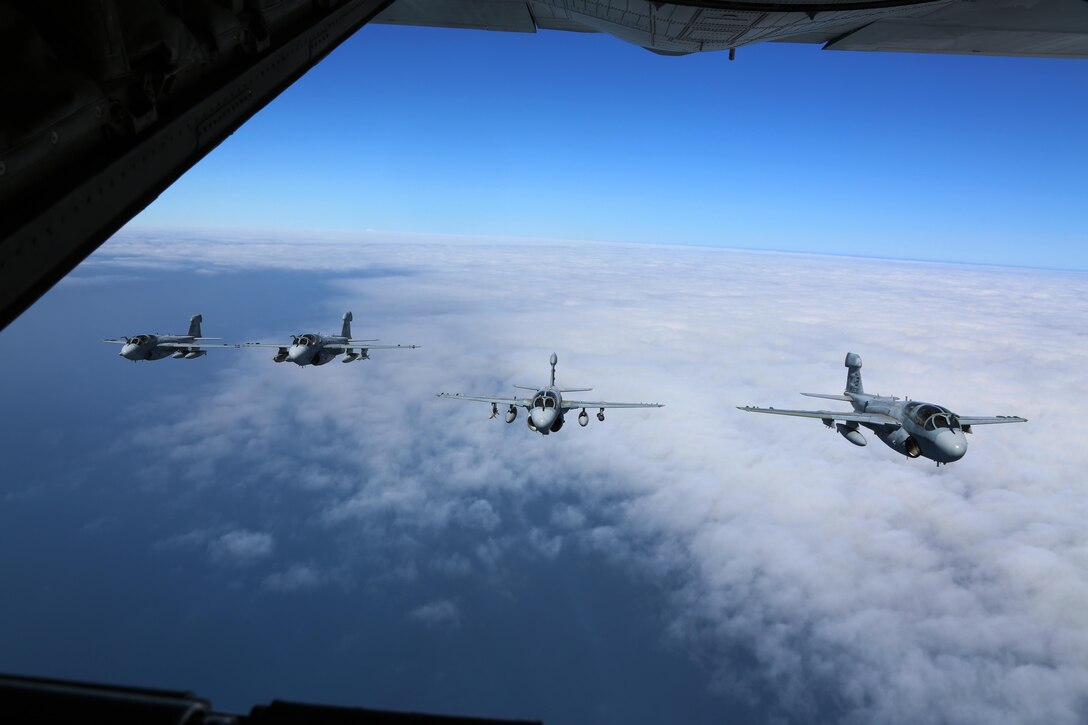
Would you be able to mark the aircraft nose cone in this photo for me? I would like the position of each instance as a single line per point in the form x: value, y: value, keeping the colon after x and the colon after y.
x: 128, y: 351
x: 543, y: 419
x: 952, y: 446
x: 298, y: 353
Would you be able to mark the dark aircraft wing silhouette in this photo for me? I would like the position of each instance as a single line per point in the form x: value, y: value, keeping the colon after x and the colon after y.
x: 1047, y: 28
x: 107, y: 102
x: 34, y: 700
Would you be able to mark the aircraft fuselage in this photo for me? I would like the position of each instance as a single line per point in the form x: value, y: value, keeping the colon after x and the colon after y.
x: 927, y: 430
x: 314, y: 349
x: 147, y: 347
x: 546, y: 414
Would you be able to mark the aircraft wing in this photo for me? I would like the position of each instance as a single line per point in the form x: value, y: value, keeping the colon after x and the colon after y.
x: 851, y: 417
x: 200, y: 345
x: 353, y: 343
x: 185, y: 345
x: 351, y: 346
x: 569, y: 404
x: 968, y: 420
x: 1041, y: 28
x: 523, y: 402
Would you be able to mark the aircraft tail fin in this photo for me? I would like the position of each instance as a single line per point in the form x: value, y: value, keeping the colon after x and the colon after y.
x: 194, y: 325
x: 345, y: 331
x: 853, y: 374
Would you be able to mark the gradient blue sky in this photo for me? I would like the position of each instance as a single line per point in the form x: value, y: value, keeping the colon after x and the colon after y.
x: 585, y: 137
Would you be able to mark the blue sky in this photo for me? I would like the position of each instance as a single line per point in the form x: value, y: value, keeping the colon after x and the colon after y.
x: 585, y: 137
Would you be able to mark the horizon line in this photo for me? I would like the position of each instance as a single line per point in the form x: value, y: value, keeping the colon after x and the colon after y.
x: 451, y: 237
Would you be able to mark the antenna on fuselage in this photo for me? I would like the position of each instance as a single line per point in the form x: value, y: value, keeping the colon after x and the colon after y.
x: 554, y: 360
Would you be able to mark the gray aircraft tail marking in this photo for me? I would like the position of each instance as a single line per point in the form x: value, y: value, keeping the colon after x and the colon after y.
x: 853, y: 375
x: 194, y: 325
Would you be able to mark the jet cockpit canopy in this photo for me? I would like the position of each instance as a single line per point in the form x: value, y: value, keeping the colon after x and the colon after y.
x: 931, y: 417
x: 546, y: 399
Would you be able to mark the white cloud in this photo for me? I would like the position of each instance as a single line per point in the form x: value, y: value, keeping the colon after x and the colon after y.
x: 439, y: 614
x: 294, y: 578
x: 896, y: 591
x: 241, y: 547
x: 548, y: 546
x: 566, y: 516
x: 481, y: 515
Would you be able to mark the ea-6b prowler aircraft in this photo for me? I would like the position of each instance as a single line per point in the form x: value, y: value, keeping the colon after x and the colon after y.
x: 156, y: 347
x: 908, y: 426
x: 547, y: 407
x: 316, y: 349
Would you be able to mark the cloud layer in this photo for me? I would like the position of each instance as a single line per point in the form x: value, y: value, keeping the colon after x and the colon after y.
x: 827, y: 581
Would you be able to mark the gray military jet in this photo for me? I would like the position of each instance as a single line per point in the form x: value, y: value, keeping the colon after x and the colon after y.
x: 316, y: 349
x: 908, y: 426
x: 547, y: 407
x: 159, y: 346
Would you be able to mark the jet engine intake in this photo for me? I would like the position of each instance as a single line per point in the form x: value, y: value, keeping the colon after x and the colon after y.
x: 280, y: 355
x: 557, y: 424
x: 901, y: 441
x: 529, y: 422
